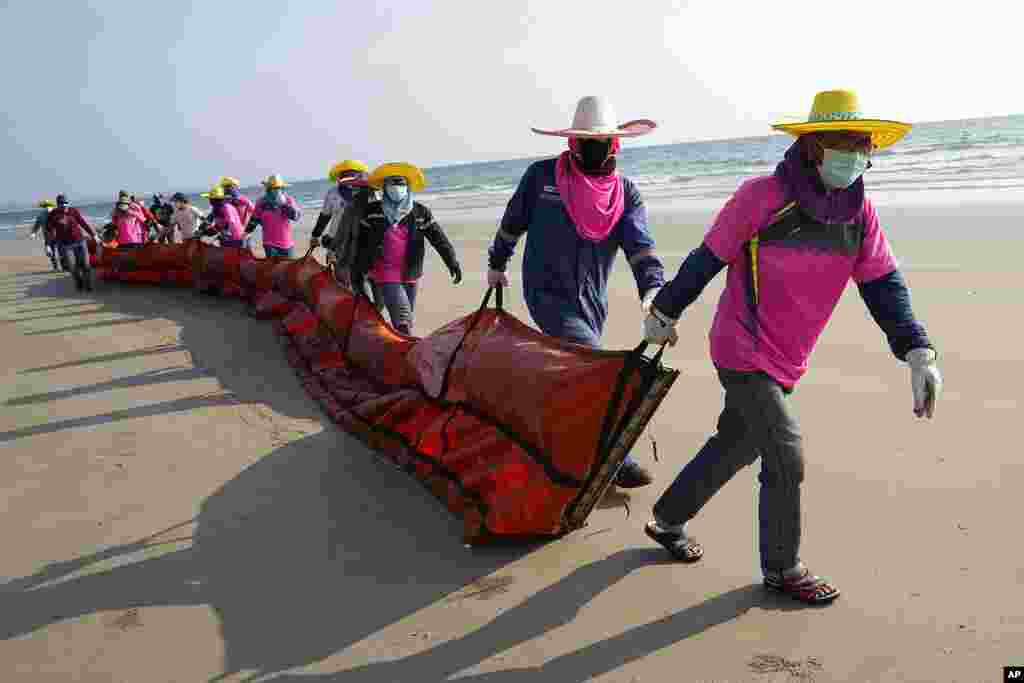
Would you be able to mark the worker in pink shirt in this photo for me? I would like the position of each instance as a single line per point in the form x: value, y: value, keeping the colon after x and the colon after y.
x: 275, y: 212
x: 224, y: 220
x: 790, y: 243
x: 391, y: 243
x: 129, y: 220
x: 243, y: 205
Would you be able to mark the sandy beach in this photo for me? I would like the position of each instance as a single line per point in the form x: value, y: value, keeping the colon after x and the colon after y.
x: 177, y: 509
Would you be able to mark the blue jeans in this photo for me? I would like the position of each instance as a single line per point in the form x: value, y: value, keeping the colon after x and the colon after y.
x: 75, y: 258
x: 52, y: 250
x: 232, y: 243
x: 755, y: 423
x: 400, y: 300
x: 278, y: 251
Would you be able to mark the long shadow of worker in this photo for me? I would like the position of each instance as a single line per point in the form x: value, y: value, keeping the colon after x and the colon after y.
x: 210, y: 331
x: 304, y: 553
x: 320, y: 545
x: 551, y: 608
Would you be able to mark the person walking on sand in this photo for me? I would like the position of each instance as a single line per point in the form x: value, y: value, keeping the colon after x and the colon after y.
x: 243, y: 205
x: 40, y: 226
x: 791, y: 241
x: 577, y: 212
x: 349, y: 182
x: 391, y: 246
x: 162, y: 212
x: 224, y: 222
x: 186, y: 218
x: 344, y: 242
x: 68, y: 226
x: 275, y: 212
x: 130, y: 222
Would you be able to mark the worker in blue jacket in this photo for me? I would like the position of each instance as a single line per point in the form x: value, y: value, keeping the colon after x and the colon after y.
x: 578, y: 211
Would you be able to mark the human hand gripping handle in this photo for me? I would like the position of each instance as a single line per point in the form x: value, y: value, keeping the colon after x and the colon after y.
x: 659, y: 329
x: 496, y: 278
x: 925, y: 380
x: 645, y: 303
x: 456, y: 272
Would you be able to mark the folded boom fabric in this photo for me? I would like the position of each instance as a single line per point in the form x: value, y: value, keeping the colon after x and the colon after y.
x: 519, y: 434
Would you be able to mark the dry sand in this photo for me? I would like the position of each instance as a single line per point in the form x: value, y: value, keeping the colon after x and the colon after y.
x: 176, y: 509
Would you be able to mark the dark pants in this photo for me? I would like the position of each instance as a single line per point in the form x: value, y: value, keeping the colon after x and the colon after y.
x: 400, y: 300
x: 52, y: 250
x: 130, y: 245
x: 232, y: 243
x: 76, y: 260
x: 278, y: 251
x: 755, y: 423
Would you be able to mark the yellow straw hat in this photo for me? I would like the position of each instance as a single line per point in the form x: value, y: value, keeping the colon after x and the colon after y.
x: 346, y: 165
x: 216, y: 192
x: 274, y: 182
x: 839, y: 110
x: 46, y: 204
x: 412, y: 174
x: 228, y: 181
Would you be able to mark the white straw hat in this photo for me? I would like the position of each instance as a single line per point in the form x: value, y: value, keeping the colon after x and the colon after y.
x: 595, y: 118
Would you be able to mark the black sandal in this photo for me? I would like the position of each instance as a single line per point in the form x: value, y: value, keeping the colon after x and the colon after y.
x: 679, y: 546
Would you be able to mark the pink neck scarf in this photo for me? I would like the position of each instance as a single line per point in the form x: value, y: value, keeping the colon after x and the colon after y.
x: 594, y: 203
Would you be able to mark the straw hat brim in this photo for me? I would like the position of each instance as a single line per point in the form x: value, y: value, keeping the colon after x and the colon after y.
x: 343, y: 166
x: 412, y: 174
x: 883, y: 133
x: 630, y: 129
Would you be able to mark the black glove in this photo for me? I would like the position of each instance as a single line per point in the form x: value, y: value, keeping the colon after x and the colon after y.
x: 326, y: 241
x: 456, y: 272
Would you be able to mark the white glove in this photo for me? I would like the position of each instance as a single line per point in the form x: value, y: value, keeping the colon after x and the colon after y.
x: 496, y: 278
x: 659, y: 328
x: 645, y: 303
x: 925, y: 380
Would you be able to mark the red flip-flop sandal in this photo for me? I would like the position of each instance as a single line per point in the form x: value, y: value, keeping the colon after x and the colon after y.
x: 806, y: 588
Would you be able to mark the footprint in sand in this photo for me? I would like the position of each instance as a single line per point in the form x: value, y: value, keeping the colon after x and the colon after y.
x: 798, y: 670
x: 485, y: 588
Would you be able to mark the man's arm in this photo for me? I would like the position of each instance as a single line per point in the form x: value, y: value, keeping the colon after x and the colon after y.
x: 83, y: 224
x: 735, y: 224
x: 888, y: 301
x: 435, y: 235
x: 638, y: 245
x: 514, y: 222
x: 696, y: 271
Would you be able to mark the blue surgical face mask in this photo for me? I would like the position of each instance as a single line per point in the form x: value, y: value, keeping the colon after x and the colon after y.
x: 276, y: 196
x: 841, y: 169
x: 397, y: 193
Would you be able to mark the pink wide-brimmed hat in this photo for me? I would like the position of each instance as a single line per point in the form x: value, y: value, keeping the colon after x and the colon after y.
x: 595, y: 118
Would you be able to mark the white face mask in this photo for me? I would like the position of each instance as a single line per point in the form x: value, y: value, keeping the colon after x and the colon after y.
x: 841, y: 169
x: 397, y: 193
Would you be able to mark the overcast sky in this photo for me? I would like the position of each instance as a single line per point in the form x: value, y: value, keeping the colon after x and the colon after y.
x: 149, y: 96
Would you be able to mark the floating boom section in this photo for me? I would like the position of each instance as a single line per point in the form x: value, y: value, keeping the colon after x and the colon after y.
x: 518, y: 433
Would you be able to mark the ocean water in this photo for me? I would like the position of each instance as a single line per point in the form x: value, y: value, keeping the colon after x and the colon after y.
x: 945, y: 156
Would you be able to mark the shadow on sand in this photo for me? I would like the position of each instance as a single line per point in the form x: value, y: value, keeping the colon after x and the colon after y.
x: 319, y: 545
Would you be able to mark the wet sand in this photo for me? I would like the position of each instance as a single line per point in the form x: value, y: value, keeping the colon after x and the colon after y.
x: 177, y: 509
